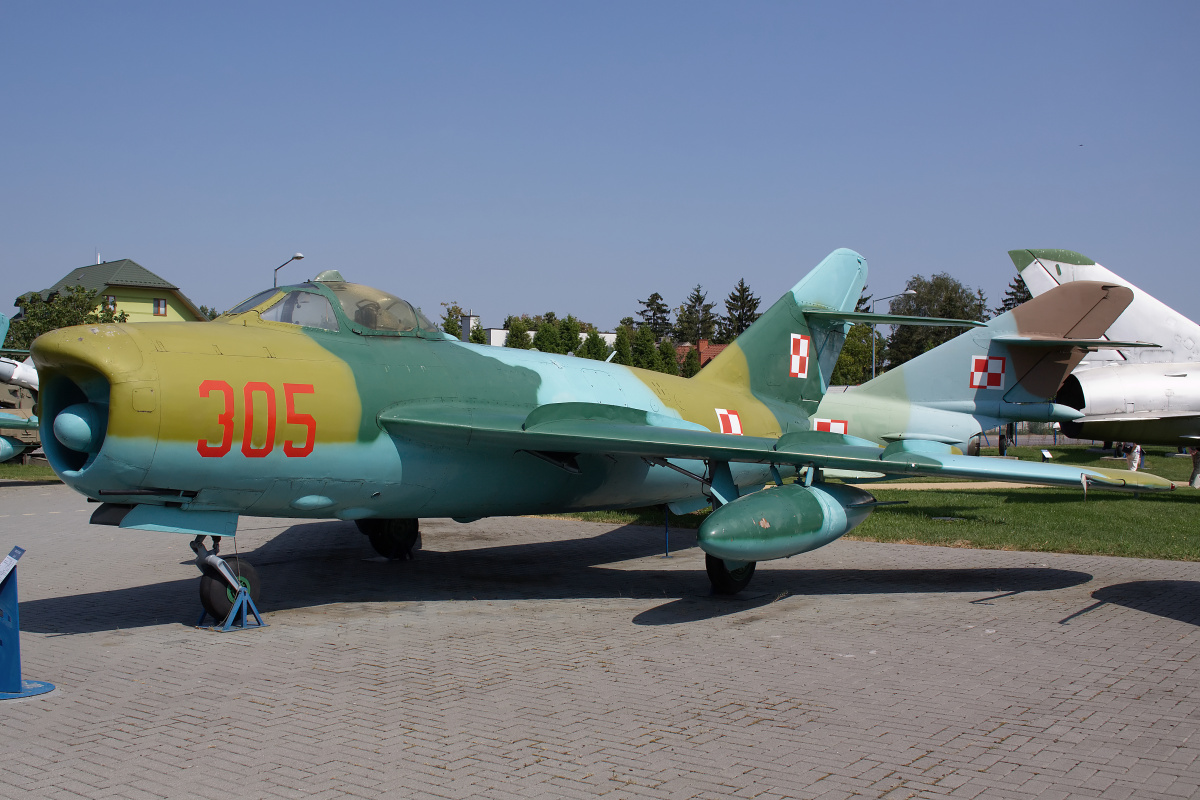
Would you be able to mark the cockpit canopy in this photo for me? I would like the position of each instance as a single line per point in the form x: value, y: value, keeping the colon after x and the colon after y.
x: 339, y: 305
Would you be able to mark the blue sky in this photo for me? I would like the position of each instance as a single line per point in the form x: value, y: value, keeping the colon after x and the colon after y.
x: 523, y: 157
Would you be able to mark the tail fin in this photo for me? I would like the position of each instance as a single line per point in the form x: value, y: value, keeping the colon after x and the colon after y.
x: 3, y: 329
x: 1146, y: 318
x: 1021, y: 357
x: 786, y: 357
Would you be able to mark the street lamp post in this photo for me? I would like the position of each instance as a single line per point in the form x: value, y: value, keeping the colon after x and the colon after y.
x: 906, y: 292
x: 296, y: 257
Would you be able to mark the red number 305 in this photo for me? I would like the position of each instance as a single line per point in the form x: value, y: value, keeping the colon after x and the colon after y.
x: 225, y: 420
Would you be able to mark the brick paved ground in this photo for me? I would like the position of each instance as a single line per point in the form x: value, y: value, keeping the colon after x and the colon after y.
x: 540, y: 658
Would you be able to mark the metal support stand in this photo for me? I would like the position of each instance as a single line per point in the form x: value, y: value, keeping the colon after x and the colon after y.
x: 236, y: 620
x: 12, y: 687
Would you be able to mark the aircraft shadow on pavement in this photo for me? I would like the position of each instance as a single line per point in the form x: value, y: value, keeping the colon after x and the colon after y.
x: 321, y: 563
x: 1177, y: 600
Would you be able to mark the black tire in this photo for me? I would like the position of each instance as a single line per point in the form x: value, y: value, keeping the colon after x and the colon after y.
x: 393, y: 538
x: 217, y: 596
x: 369, y: 525
x: 724, y: 580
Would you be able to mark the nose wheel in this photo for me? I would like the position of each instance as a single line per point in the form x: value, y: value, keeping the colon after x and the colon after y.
x: 229, y: 587
x: 217, y: 596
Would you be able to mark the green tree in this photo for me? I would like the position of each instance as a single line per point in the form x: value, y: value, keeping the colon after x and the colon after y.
x: 854, y: 364
x: 656, y: 314
x: 623, y: 352
x: 593, y: 347
x: 478, y: 334
x: 741, y: 310
x: 518, y: 334
x: 546, y: 338
x: 939, y: 296
x: 691, y: 362
x: 695, y: 319
x: 568, y: 334
x: 211, y: 313
x: 74, y: 305
x: 451, y: 323
x: 1016, y: 293
x: 645, y: 352
x: 667, y: 359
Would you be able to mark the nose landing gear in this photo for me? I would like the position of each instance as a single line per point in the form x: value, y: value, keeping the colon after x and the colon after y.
x: 229, y: 588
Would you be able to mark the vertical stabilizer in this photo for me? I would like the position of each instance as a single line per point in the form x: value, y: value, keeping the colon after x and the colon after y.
x: 785, y: 357
x: 1146, y: 319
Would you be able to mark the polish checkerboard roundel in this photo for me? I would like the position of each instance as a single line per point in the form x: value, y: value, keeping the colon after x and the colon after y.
x: 831, y: 425
x: 729, y: 420
x: 798, y: 368
x: 987, y: 372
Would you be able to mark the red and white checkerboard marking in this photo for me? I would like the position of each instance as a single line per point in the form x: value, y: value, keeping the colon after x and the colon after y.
x: 799, y: 366
x: 987, y: 372
x: 831, y: 425
x: 730, y: 421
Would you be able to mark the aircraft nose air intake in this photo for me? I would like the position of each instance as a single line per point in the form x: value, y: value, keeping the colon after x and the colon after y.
x: 80, y: 427
x: 77, y: 369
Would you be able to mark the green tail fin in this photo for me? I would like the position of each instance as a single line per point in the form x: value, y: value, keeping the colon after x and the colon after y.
x: 785, y: 357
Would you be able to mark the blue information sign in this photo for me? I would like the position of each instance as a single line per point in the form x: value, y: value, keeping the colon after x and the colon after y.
x: 10, y: 561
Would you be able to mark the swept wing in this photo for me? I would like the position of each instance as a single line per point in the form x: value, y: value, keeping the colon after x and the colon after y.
x: 569, y: 429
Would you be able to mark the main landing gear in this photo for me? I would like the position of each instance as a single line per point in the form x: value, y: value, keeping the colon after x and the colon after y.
x: 223, y: 579
x: 728, y: 577
x: 392, y: 538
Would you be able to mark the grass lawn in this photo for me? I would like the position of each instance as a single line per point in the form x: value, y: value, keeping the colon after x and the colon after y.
x: 1055, y: 520
x: 34, y: 472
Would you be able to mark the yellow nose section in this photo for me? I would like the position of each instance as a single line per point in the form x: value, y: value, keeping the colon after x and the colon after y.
x: 106, y: 350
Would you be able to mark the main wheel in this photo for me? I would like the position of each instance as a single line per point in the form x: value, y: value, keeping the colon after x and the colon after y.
x: 217, y: 596
x: 392, y: 538
x: 725, y: 580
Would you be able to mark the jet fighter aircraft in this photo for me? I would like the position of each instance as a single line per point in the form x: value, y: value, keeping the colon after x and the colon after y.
x: 329, y: 399
x: 1145, y: 396
x: 1007, y: 371
x: 16, y: 424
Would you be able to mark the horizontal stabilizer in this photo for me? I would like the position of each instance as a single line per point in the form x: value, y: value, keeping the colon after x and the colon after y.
x: 1036, y: 340
x: 1140, y: 416
x: 895, y: 319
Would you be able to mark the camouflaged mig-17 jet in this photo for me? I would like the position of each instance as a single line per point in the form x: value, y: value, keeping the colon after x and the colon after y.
x: 1007, y: 371
x: 330, y: 399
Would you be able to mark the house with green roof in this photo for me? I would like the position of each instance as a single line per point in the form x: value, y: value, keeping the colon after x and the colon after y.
x: 128, y: 286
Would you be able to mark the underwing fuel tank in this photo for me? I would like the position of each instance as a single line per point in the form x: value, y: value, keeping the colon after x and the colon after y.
x: 782, y: 521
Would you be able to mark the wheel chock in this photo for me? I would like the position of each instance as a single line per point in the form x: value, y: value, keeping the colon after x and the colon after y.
x: 236, y: 619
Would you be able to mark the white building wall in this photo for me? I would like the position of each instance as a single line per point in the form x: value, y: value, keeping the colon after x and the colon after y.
x: 496, y: 337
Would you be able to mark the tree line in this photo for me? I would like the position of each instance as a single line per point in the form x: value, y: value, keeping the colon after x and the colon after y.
x: 649, y: 342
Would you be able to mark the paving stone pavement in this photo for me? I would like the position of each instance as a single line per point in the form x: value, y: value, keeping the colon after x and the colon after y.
x: 546, y: 658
